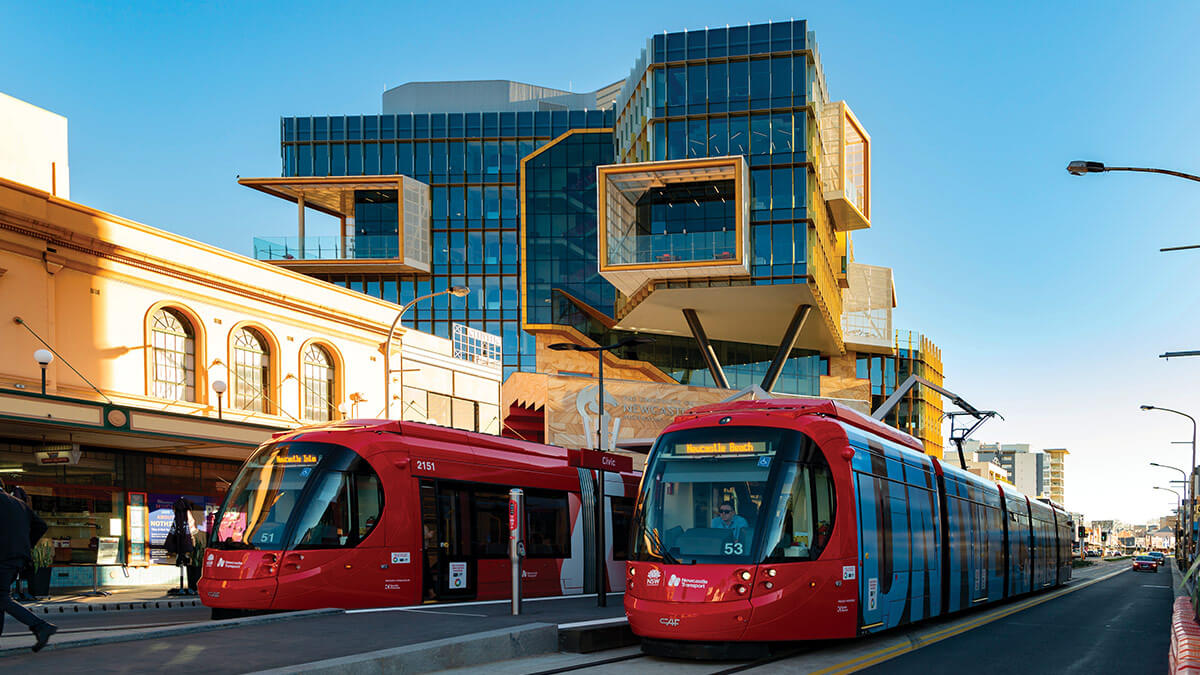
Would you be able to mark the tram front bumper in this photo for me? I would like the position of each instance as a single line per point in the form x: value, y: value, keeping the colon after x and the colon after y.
x: 687, y: 620
x: 237, y: 593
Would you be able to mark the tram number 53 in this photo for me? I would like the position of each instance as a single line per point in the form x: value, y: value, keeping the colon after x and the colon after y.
x: 425, y: 465
x: 733, y: 549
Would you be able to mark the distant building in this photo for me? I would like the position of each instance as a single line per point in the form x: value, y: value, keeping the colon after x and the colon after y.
x: 33, y: 150
x: 1025, y: 468
x: 1053, y: 470
x: 989, y: 470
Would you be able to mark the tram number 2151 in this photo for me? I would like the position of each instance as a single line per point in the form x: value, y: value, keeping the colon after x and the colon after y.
x: 425, y: 465
x: 733, y: 548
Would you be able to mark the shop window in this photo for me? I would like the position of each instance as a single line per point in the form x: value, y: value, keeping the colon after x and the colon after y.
x: 174, y: 356
x: 251, y: 369
x: 317, y: 383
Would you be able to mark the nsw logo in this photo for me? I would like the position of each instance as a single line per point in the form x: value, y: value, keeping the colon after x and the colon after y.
x: 653, y: 577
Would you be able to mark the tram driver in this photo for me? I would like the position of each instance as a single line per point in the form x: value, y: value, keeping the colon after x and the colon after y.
x: 728, y: 520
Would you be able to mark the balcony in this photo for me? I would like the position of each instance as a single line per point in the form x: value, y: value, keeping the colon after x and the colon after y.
x: 672, y: 220
x: 385, y: 224
x: 845, y: 167
x: 867, y: 307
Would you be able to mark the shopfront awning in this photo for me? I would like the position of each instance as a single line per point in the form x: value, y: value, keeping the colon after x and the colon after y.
x: 60, y: 420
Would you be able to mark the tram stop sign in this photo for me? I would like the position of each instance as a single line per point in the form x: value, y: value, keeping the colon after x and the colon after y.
x: 601, y: 461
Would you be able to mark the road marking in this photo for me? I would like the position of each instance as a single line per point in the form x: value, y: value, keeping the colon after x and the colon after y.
x: 472, y: 604
x: 595, y: 622
x: 914, y: 642
x: 1150, y: 586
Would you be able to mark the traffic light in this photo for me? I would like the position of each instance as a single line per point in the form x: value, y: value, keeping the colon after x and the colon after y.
x: 1104, y: 536
x: 1082, y: 532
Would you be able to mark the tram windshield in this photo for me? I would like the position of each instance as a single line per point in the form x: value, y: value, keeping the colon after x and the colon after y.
x: 737, y: 495
x: 299, y: 495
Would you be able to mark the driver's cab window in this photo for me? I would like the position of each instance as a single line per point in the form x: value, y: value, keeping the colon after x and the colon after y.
x: 344, y: 508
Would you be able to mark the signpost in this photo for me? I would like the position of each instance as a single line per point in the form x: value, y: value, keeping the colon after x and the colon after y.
x: 516, y: 542
x: 600, y: 462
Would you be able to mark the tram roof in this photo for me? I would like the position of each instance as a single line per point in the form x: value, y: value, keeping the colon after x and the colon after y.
x: 796, y: 407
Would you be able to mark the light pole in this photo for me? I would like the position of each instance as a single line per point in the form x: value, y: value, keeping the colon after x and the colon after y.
x: 43, y: 357
x: 456, y: 291
x: 1080, y: 167
x: 1191, y: 476
x: 219, y: 386
x: 601, y: 598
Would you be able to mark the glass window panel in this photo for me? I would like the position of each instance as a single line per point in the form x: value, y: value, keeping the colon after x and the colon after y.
x: 676, y: 85
x: 697, y: 86
x: 760, y: 134
x: 781, y: 189
x: 718, y: 137
x: 174, y: 350
x: 697, y: 138
x: 781, y: 132
x: 760, y: 82
x: 676, y: 140
x: 739, y: 84
x: 739, y: 135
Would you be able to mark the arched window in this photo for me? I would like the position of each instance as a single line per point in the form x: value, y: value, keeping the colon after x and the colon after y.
x: 173, y: 357
x: 317, y: 384
x: 252, y: 370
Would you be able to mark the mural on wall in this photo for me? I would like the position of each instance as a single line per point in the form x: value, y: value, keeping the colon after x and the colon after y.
x: 632, y: 410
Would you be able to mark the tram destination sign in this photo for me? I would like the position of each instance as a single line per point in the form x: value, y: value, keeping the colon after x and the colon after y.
x: 721, y: 448
x: 603, y: 461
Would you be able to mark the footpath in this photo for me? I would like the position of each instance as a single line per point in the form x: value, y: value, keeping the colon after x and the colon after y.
x: 119, y: 598
x: 402, y: 639
x: 1184, y: 656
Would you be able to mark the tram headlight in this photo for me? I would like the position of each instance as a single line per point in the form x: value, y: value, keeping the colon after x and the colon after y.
x: 745, y: 575
x: 768, y: 585
x: 632, y: 571
x: 741, y: 590
x: 771, y: 572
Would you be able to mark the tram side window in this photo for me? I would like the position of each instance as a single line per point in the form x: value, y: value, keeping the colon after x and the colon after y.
x: 622, y: 514
x: 549, y: 534
x: 368, y: 503
x: 491, y: 522
x: 806, y: 508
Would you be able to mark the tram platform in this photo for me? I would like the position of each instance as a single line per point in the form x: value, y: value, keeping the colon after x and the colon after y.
x: 424, y: 638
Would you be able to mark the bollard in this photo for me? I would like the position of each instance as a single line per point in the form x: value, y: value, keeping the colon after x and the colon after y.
x: 516, y: 543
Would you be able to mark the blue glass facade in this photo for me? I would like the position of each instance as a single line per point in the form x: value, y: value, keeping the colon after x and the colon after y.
x: 738, y: 91
x: 471, y: 163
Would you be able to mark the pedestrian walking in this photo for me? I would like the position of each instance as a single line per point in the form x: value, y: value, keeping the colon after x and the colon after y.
x: 20, y: 528
x: 27, y: 574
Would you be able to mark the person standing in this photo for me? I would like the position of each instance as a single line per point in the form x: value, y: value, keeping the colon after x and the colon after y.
x: 20, y: 528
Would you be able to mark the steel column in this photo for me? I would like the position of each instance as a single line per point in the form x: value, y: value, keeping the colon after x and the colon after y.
x: 785, y: 347
x: 706, y: 350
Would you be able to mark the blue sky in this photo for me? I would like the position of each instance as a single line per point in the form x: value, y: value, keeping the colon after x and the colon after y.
x: 1046, y: 292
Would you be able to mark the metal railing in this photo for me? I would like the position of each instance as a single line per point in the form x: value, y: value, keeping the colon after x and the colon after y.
x: 327, y: 248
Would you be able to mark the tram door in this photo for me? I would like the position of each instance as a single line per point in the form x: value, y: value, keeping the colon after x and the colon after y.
x: 446, y: 535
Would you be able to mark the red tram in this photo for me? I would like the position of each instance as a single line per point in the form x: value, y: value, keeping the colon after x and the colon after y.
x: 799, y: 519
x: 371, y: 513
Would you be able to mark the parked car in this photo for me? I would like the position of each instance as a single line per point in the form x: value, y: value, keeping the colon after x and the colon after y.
x: 1145, y: 562
x: 1159, y: 556
x: 1093, y: 553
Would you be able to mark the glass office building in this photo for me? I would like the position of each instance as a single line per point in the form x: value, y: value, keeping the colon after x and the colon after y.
x: 717, y: 177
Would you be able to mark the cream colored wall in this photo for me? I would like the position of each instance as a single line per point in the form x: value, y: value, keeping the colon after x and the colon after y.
x: 87, y: 282
x: 36, y: 139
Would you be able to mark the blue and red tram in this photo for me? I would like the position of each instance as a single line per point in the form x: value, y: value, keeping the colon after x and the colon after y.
x: 370, y: 513
x: 801, y: 519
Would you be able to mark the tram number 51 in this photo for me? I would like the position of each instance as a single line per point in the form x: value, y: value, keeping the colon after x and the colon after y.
x: 733, y: 549
x: 425, y: 465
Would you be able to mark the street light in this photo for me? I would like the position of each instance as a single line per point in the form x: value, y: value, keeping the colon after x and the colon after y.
x: 43, y: 357
x: 1191, y: 476
x: 456, y: 291
x: 220, y: 387
x: 1080, y: 167
x: 601, y: 598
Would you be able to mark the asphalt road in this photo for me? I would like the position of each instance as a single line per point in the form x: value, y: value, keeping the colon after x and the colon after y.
x: 73, y: 622
x: 1120, y: 625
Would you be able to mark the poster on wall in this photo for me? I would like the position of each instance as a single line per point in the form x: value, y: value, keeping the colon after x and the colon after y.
x: 162, y: 516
